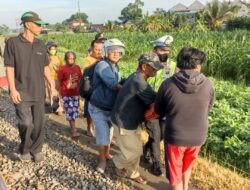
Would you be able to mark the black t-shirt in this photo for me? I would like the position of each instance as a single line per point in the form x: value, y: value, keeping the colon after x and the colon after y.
x: 132, y: 101
x: 29, y: 60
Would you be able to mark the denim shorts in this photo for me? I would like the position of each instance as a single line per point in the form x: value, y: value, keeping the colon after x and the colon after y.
x: 104, y: 130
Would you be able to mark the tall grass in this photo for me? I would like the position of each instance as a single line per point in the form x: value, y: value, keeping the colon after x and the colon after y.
x: 228, y: 53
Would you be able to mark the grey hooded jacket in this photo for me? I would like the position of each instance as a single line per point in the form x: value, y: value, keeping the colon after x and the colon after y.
x: 185, y: 99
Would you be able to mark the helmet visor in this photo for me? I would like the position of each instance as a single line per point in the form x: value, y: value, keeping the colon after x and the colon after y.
x: 116, y: 49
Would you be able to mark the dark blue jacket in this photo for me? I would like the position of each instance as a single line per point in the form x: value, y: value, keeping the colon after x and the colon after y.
x: 133, y: 100
x: 105, y: 79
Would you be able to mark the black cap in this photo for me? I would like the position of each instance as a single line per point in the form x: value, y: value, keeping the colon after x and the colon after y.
x: 151, y: 59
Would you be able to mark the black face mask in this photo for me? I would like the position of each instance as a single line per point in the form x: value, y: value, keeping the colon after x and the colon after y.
x: 163, y: 57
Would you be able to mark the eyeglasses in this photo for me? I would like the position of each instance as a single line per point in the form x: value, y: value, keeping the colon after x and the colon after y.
x: 115, y: 52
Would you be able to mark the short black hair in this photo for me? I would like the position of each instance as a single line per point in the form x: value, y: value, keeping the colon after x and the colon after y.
x: 189, y: 57
x: 66, y: 55
x: 96, y: 41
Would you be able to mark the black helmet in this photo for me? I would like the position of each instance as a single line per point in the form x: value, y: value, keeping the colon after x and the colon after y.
x: 50, y: 43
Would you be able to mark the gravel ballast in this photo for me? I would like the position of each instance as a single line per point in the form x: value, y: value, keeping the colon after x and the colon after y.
x: 69, y: 163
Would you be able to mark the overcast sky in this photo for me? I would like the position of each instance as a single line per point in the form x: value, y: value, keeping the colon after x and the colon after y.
x: 99, y: 11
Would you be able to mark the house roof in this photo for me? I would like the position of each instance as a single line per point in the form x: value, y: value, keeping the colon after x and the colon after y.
x: 196, y: 6
x: 75, y: 21
x: 178, y: 8
x: 244, y: 10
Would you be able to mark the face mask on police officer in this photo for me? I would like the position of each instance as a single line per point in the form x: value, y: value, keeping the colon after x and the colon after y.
x: 163, y: 57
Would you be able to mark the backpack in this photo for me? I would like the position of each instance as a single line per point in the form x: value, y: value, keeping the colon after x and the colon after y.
x: 86, y: 82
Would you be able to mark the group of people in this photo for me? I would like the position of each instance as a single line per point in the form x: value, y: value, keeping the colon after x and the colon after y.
x: 171, y: 99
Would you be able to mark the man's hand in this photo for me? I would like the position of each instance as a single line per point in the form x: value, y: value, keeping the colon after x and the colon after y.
x: 118, y: 87
x: 15, y: 96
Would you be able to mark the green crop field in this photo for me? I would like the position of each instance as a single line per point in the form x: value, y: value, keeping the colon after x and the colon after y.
x: 228, y: 66
x: 228, y: 53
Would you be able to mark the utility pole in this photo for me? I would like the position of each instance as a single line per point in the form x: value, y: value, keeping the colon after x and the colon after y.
x: 79, y: 17
x: 18, y: 28
x: 78, y: 4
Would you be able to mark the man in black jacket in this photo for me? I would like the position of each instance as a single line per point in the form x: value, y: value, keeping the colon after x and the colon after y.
x: 131, y: 103
x: 185, y: 99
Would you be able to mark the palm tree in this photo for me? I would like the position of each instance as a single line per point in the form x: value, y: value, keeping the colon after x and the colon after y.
x: 157, y: 23
x: 218, y: 12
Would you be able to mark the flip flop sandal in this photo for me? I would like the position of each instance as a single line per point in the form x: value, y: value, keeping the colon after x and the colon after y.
x: 109, y: 158
x: 112, y: 142
x: 139, y: 180
x: 120, y: 172
x: 3, y: 109
x: 89, y: 134
x: 75, y: 134
x: 100, y: 170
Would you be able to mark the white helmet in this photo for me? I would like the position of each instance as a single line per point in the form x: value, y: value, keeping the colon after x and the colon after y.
x: 163, y: 41
x: 113, y: 44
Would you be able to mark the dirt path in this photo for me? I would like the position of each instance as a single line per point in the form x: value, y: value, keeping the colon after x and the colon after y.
x: 154, y: 183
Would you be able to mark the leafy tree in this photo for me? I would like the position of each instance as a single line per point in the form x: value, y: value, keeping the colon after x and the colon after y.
x: 79, y: 29
x: 160, y: 12
x: 82, y: 16
x: 239, y: 23
x: 245, y: 3
x: 199, y: 24
x: 61, y: 27
x: 180, y: 21
x: 157, y: 23
x: 4, y: 29
x: 218, y: 12
x: 133, y: 11
x: 111, y: 26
